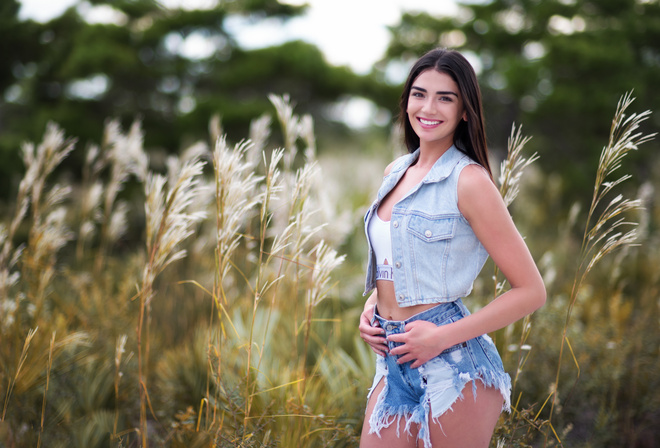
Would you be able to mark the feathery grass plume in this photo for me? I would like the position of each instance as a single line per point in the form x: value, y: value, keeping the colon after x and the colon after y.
x: 90, y: 214
x: 39, y: 162
x: 49, y: 154
x: 169, y: 223
x: 91, y: 197
x: 293, y: 128
x: 197, y: 151
x: 259, y: 135
x: 126, y: 157
x: 236, y: 198
x: 270, y: 193
x: 605, y: 231
x: 45, y: 241
x: 215, y: 127
x: 301, y: 210
x: 325, y: 261
x: 512, y: 168
x: 168, y: 219
x: 290, y: 127
x: 306, y: 132
x: 48, y: 232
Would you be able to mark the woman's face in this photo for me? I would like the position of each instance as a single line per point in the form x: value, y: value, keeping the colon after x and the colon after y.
x: 435, y: 108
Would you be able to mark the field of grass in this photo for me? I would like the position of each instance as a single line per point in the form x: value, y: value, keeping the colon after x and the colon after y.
x: 212, y: 299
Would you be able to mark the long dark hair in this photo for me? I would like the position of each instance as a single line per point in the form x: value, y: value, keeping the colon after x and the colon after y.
x: 470, y: 136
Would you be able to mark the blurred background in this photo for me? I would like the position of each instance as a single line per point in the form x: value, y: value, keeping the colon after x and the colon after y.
x: 557, y: 67
x: 191, y: 70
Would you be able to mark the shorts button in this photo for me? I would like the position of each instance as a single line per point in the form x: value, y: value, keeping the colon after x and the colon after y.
x: 428, y: 234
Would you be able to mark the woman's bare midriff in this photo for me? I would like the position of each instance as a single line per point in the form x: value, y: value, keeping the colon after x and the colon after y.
x: 388, y: 307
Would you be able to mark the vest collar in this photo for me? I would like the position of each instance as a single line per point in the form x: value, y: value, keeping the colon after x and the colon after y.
x: 442, y: 168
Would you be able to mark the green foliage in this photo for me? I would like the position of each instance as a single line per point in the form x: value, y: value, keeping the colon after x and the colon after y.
x: 136, y: 68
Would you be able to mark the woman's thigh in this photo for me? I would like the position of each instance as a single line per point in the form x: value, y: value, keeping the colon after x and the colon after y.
x: 469, y: 422
x: 388, y: 436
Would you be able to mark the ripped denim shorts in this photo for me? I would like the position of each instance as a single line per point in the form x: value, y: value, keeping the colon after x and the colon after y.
x: 410, y: 393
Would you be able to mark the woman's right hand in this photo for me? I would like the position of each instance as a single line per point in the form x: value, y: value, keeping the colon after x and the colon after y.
x: 372, y: 335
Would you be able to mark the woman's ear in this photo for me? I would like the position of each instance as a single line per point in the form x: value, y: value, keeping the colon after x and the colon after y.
x: 464, y: 116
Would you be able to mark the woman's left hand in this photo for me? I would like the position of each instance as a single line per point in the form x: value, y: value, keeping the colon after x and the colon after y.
x: 421, y: 343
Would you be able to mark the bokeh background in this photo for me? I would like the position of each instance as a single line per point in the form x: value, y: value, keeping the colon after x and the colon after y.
x: 109, y: 335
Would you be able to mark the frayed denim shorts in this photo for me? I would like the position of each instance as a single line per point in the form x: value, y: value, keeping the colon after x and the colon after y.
x: 436, y: 385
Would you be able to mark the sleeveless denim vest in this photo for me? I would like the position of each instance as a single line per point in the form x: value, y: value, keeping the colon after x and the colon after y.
x: 436, y: 255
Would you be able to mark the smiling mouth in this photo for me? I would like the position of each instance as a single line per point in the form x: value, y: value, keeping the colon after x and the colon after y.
x: 426, y: 122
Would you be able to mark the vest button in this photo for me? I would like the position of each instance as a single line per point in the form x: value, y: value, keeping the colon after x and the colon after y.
x: 395, y: 224
x: 401, y: 297
x: 397, y: 264
x: 428, y: 234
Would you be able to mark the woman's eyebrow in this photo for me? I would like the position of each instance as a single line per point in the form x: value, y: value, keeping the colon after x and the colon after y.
x: 439, y: 92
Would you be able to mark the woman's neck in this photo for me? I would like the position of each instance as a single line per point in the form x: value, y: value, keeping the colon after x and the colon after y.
x: 429, y: 154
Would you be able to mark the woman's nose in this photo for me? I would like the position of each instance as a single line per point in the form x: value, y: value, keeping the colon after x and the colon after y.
x: 428, y: 106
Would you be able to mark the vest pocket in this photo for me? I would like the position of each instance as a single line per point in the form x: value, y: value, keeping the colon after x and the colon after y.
x: 430, y: 229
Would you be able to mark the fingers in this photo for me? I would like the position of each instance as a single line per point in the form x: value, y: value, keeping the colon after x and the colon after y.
x: 373, y: 335
x: 377, y: 343
x: 416, y: 364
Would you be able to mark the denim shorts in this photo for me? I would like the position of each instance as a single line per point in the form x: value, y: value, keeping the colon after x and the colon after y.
x: 436, y: 385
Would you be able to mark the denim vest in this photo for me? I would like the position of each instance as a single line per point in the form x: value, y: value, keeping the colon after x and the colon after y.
x: 436, y: 255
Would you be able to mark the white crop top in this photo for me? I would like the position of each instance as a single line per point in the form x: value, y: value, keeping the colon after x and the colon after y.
x: 381, y: 242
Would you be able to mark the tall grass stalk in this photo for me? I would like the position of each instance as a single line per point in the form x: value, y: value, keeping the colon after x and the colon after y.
x: 510, y: 176
x: 126, y: 157
x: 21, y: 361
x: 271, y: 189
x: 236, y: 197
x: 511, y: 171
x: 120, y: 348
x: 43, y: 403
x: 295, y: 224
x: 326, y: 260
x: 169, y: 222
x: 279, y: 204
x: 604, y: 230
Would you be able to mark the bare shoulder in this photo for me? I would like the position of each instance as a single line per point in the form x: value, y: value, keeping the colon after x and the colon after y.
x: 474, y: 180
x: 388, y: 168
x: 477, y: 191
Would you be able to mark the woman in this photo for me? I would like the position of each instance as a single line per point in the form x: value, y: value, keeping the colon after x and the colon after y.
x: 437, y: 217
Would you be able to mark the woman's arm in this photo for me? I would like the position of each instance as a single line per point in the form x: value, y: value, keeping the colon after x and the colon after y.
x: 481, y: 204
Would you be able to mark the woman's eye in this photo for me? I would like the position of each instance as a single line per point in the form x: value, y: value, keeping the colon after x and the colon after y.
x: 445, y: 98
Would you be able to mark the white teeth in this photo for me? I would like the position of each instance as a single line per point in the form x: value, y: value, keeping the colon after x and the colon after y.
x: 429, y: 122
